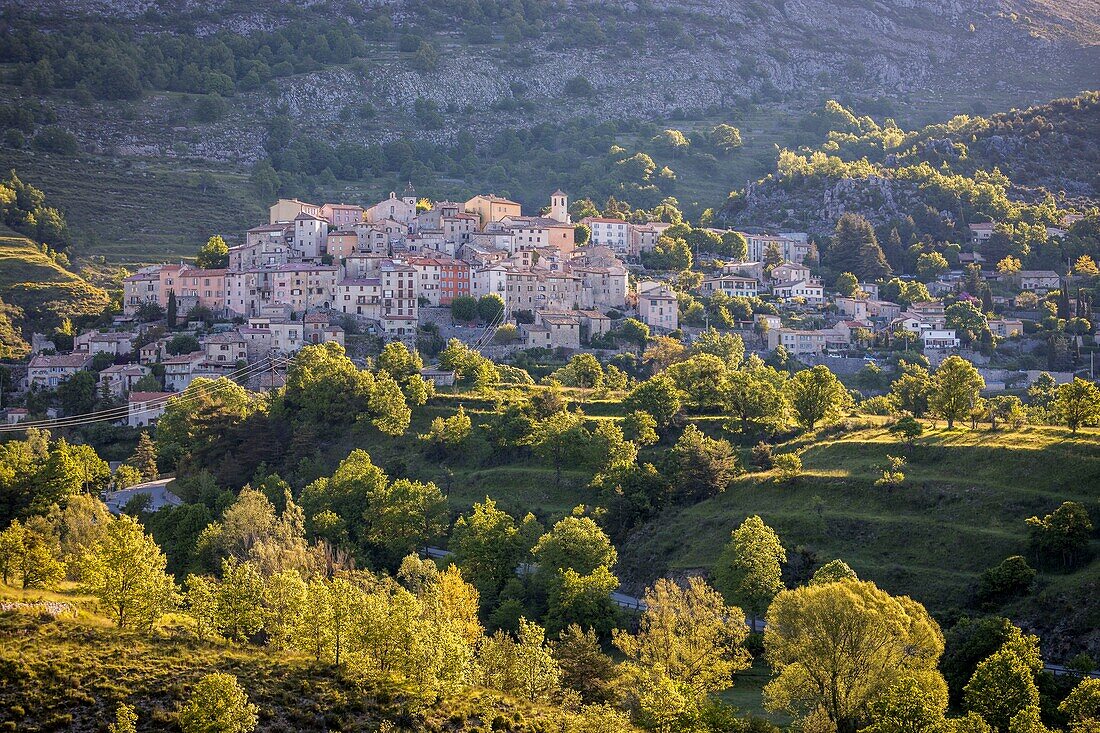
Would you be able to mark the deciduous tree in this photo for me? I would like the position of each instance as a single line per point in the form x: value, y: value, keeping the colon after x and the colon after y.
x: 817, y: 395
x: 1002, y: 686
x: 1062, y: 535
x: 1077, y: 404
x: 689, y: 633
x: 956, y: 386
x: 749, y: 570
x: 838, y: 647
x: 703, y: 466
x: 214, y: 254
x: 125, y: 571
x: 218, y: 705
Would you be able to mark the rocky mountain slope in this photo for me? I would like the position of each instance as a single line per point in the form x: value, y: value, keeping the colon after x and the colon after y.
x: 974, y: 164
x: 646, y: 60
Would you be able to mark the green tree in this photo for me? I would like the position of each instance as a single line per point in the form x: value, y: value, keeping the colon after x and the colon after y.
x: 612, y: 451
x: 1082, y: 707
x: 582, y: 233
x: 725, y: 137
x: 201, y: 599
x: 702, y: 379
x: 583, y: 599
x: 560, y: 439
x: 487, y: 547
x: 172, y: 310
x: 218, y: 705
x: 907, y: 428
x: 214, y: 254
x: 658, y: 397
x: 1013, y: 576
x: 931, y: 265
x: 464, y: 308
x: 239, y: 599
x: 729, y: 347
x: 524, y: 666
x: 967, y: 319
x: 817, y: 395
x: 847, y: 284
x: 78, y: 394
x: 690, y: 635
x: 404, y: 515
x: 1062, y: 535
x: 182, y: 344
x: 445, y: 433
x: 956, y: 386
x: 574, y: 543
x: 838, y: 647
x: 912, y: 390
x: 749, y: 571
x: 855, y: 249
x: 640, y: 427
x: 756, y: 399
x: 1077, y: 403
x: 971, y: 641
x: 584, y: 666
x: 125, y: 570
x: 634, y: 331
x: 1002, y: 686
x: 1028, y: 720
x: 284, y: 598
x: 490, y: 307
x: 735, y: 246
x: 908, y: 706
x: 703, y: 467
x: 144, y: 458
x: 834, y: 571
x: 31, y: 552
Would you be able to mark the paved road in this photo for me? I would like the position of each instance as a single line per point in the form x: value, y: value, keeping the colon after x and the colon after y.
x: 156, y: 490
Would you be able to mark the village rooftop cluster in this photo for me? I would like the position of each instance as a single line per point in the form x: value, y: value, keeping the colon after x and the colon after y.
x: 312, y: 272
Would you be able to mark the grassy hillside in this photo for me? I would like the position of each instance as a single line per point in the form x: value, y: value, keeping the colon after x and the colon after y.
x: 70, y: 671
x: 960, y: 511
x: 143, y: 211
x: 45, y: 290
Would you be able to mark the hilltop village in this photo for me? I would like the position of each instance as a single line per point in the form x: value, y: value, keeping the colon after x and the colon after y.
x: 502, y: 281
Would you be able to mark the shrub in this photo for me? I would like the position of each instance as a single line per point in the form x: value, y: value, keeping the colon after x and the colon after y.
x: 578, y: 86
x: 55, y: 140
x: 880, y: 405
x: 891, y: 472
x: 761, y: 456
x: 1012, y: 577
x: 788, y: 466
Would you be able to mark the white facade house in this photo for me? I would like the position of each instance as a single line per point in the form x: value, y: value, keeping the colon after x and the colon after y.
x: 50, y: 371
x: 145, y: 408
x: 732, y: 285
x: 659, y: 308
x: 939, y: 339
x: 614, y: 233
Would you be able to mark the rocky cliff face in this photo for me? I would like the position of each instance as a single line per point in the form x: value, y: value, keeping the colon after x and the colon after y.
x: 655, y: 58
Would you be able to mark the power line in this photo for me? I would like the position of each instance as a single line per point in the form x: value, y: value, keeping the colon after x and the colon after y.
x: 491, y: 329
x: 117, y: 413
